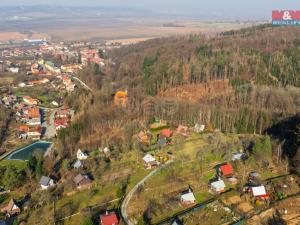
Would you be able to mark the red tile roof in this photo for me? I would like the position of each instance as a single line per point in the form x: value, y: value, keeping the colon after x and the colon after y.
x: 34, y: 112
x: 226, y: 169
x: 166, y: 133
x: 109, y: 219
x: 61, y: 122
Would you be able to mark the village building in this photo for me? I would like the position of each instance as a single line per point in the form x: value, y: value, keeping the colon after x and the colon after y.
x: 109, y: 218
x: 158, y: 124
x: 82, y: 181
x: 63, y: 113
x: 34, y: 122
x: 150, y: 162
x: 225, y: 170
x: 78, y: 164
x: 46, y: 182
x: 217, y: 187
x: 120, y: 98
x: 199, y: 128
x: 183, y: 130
x: 30, y: 132
x: 166, y: 133
x: 106, y: 151
x: 22, y: 84
x: 74, y: 68
x: 13, y: 69
x: 61, y: 123
x: 30, y: 101
x: 176, y: 221
x: 81, y: 155
x: 33, y: 113
x: 35, y: 133
x: 57, y: 102
x: 38, y: 82
x: 70, y: 87
x: 259, y: 192
x: 162, y: 142
x: 238, y: 156
x: 11, y: 209
x: 144, y: 138
x: 188, y: 197
x: 54, y: 103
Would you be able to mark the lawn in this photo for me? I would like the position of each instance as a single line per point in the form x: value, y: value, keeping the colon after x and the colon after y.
x: 195, y: 159
x: 101, y: 191
x: 18, y: 164
x: 45, y: 93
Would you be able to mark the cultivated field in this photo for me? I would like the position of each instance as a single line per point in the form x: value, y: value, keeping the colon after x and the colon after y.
x: 129, y: 29
x: 18, y: 36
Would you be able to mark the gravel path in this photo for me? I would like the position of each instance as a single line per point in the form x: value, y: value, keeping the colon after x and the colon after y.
x: 128, y: 197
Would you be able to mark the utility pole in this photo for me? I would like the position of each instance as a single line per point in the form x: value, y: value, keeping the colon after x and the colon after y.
x: 54, y: 211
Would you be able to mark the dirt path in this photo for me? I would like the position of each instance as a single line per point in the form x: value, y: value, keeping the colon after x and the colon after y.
x: 128, y: 197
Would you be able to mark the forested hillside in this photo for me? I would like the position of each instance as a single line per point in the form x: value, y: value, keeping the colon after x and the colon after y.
x: 239, y: 81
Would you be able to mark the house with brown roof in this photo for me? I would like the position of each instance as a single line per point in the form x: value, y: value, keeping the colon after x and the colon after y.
x: 11, y: 209
x: 82, y: 181
x: 144, y: 137
x: 34, y: 113
x: 183, y: 130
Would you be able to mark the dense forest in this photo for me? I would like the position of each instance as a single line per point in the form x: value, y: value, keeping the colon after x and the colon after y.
x: 239, y: 81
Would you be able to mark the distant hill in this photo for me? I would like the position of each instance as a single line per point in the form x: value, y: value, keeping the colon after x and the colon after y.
x: 262, y: 55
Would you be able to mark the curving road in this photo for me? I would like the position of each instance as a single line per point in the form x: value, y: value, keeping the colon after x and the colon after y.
x: 82, y: 83
x: 128, y: 197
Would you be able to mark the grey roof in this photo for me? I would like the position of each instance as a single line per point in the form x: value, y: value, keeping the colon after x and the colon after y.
x: 176, y: 221
x: 162, y: 141
x: 78, y: 164
x: 45, y: 181
x: 79, y: 178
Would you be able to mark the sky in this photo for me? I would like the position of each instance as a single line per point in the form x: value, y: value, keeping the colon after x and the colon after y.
x: 226, y: 8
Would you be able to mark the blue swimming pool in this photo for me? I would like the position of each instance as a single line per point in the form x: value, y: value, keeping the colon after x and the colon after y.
x: 25, y: 152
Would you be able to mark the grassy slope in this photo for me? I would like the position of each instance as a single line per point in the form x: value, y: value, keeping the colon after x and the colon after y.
x: 190, y: 168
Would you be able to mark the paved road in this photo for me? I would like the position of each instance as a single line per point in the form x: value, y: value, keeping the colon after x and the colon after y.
x: 128, y: 197
x: 50, y: 127
x: 82, y: 83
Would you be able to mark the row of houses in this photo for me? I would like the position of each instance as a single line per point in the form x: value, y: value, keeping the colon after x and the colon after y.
x: 69, y: 85
x: 91, y: 56
x: 164, y: 138
x: 225, y: 176
x: 62, y: 119
x: 34, y: 82
x: 31, y: 127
